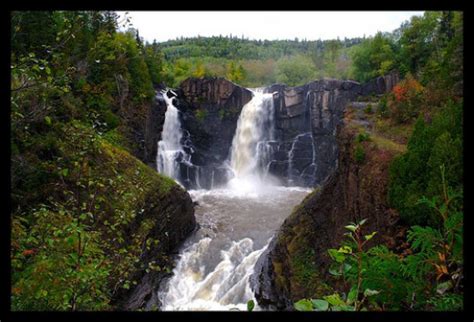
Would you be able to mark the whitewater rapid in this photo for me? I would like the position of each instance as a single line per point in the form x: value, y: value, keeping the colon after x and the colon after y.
x: 236, y: 221
x: 213, y: 269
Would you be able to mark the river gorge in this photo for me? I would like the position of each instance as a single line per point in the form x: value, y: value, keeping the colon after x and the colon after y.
x: 245, y: 167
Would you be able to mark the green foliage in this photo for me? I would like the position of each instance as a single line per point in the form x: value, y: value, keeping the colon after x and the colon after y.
x: 362, y: 137
x: 368, y: 109
x: 416, y: 41
x: 382, y: 109
x: 255, y: 63
x: 250, y: 305
x: 348, y: 264
x: 294, y: 70
x: 373, y: 57
x: 303, y: 305
x: 96, y: 191
x: 233, y: 48
x: 416, y: 173
x: 359, y: 153
x: 154, y: 60
x: 201, y: 114
x: 75, y: 191
x: 64, y: 265
x: 430, y: 277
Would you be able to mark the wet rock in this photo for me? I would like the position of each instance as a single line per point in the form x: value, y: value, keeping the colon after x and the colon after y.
x: 153, y: 127
x: 306, y: 118
x: 172, y: 219
x: 353, y: 192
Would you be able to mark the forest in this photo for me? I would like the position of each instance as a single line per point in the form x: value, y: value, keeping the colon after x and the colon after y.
x: 80, y: 89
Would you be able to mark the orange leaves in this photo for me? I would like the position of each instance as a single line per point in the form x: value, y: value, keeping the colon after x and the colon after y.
x: 28, y: 252
x: 16, y: 290
x: 399, y: 92
x: 442, y: 268
x: 406, y: 89
x: 406, y: 100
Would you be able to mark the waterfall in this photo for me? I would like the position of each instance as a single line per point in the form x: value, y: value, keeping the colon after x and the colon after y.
x: 224, y: 288
x: 170, y: 150
x: 236, y: 220
x: 251, y: 146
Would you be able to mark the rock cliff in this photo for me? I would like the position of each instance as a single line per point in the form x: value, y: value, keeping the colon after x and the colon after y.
x: 304, y: 152
x: 296, y: 263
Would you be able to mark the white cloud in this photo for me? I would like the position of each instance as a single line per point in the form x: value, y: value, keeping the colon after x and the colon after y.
x: 165, y: 25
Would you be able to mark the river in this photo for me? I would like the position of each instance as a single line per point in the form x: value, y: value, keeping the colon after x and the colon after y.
x: 236, y: 221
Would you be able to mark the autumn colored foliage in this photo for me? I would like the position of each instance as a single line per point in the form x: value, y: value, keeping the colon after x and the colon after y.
x: 406, y: 99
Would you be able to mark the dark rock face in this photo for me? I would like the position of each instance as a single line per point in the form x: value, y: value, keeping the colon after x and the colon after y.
x: 153, y: 127
x: 210, y: 109
x: 296, y: 263
x: 381, y: 84
x: 172, y: 219
x: 304, y: 151
x: 306, y: 121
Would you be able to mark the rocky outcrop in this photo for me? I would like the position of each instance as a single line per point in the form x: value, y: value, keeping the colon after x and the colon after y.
x: 155, y: 119
x: 306, y: 121
x: 164, y: 219
x: 210, y: 108
x: 296, y: 263
x: 381, y: 84
x: 304, y: 151
x: 172, y: 220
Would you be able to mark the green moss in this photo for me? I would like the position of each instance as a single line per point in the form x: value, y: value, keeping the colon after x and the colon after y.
x: 368, y: 109
x: 201, y: 114
x: 110, y: 118
x: 115, y: 137
x: 359, y: 153
x: 304, y: 267
x: 222, y: 114
x: 362, y: 136
x: 387, y: 144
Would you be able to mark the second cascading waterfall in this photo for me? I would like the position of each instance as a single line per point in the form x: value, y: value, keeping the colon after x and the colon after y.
x: 170, y: 150
x: 236, y: 221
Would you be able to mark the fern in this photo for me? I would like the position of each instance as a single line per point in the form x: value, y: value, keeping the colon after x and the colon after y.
x: 424, y: 239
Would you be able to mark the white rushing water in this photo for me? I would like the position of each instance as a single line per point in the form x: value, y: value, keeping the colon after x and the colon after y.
x: 236, y: 221
x: 170, y: 150
x: 251, y: 149
x: 214, y: 266
x: 254, y: 126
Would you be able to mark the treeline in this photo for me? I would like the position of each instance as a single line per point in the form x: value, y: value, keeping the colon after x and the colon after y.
x: 254, y: 63
x: 429, y: 47
x: 416, y: 47
x: 240, y: 48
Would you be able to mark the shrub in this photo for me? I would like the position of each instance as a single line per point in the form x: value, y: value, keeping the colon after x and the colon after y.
x: 383, y: 108
x: 361, y: 137
x: 359, y: 153
x: 406, y: 100
x: 368, y: 109
x: 416, y: 173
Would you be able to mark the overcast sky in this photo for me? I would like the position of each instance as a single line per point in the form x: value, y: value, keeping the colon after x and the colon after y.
x: 311, y: 25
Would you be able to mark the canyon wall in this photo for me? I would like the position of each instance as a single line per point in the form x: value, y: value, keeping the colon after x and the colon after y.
x: 304, y: 152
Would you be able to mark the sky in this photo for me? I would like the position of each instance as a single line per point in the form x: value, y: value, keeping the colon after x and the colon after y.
x: 312, y: 25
